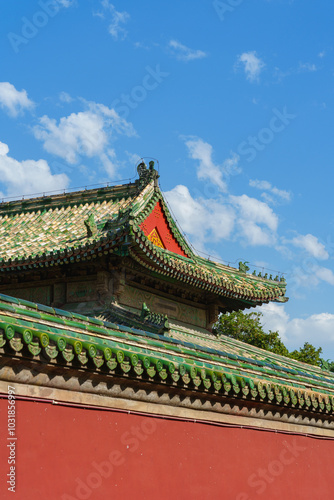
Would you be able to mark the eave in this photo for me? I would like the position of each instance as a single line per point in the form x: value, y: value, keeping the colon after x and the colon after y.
x: 34, y: 332
x: 121, y: 235
x: 253, y: 292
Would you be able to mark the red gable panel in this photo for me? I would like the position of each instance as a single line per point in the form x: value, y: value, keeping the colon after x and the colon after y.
x: 156, y: 228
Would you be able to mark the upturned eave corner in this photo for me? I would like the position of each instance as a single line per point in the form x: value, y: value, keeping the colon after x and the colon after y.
x: 181, y: 263
x: 282, y: 300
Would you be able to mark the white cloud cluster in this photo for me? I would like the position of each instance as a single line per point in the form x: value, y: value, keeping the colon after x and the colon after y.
x: 207, y: 169
x: 184, y: 53
x: 268, y: 188
x: 86, y: 133
x: 311, y: 245
x: 324, y: 274
x: 14, y: 101
x: 202, y: 151
x: 207, y: 219
x: 116, y: 21
x: 275, y: 318
x: 307, y: 274
x: 317, y: 329
x: 65, y: 97
x: 200, y: 219
x: 252, y: 64
x: 253, y: 221
x: 28, y: 176
x: 256, y: 220
x: 77, y: 134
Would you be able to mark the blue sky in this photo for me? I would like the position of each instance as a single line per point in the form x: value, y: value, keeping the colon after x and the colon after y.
x: 234, y: 98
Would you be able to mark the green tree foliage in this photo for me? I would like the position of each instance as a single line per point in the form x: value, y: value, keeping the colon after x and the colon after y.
x: 308, y: 354
x: 327, y: 364
x: 247, y: 328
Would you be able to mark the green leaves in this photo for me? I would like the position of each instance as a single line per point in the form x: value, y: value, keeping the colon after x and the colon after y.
x: 308, y: 354
x: 247, y: 328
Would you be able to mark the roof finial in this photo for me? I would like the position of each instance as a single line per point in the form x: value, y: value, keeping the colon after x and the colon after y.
x: 142, y: 169
x: 146, y: 175
x: 91, y: 226
x: 243, y: 266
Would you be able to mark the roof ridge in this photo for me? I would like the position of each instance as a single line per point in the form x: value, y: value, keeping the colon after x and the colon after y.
x: 55, y: 200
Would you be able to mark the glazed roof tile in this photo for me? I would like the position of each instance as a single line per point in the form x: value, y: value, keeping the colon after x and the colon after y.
x: 187, y: 358
x: 68, y: 228
x: 57, y: 223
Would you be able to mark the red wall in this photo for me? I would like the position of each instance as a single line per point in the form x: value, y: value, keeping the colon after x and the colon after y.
x: 157, y: 220
x: 68, y: 453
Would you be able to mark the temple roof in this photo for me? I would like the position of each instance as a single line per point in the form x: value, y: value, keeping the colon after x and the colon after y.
x: 126, y: 220
x: 167, y: 353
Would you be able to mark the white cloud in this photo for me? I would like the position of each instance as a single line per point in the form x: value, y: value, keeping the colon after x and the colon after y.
x: 266, y: 186
x: 317, y: 329
x: 268, y: 199
x: 260, y: 184
x: 302, y: 276
x: 253, y: 65
x: 325, y: 274
x: 209, y: 220
x: 77, y: 134
x: 66, y: 3
x: 201, y: 220
x: 257, y: 221
x: 307, y: 275
x: 65, y: 97
x: 141, y: 45
x: 275, y: 318
x: 28, y: 176
x: 4, y: 149
x: 311, y: 245
x: 184, y: 53
x: 116, y: 21
x: 110, y: 162
x: 307, y: 67
x: 285, y: 195
x: 301, y: 68
x: 111, y: 118
x: 14, y: 101
x: 254, y: 234
x: 134, y: 158
x: 86, y: 133
x: 207, y: 169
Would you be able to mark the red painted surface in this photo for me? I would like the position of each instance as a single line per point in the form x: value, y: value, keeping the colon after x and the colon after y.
x: 157, y: 220
x: 67, y: 453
